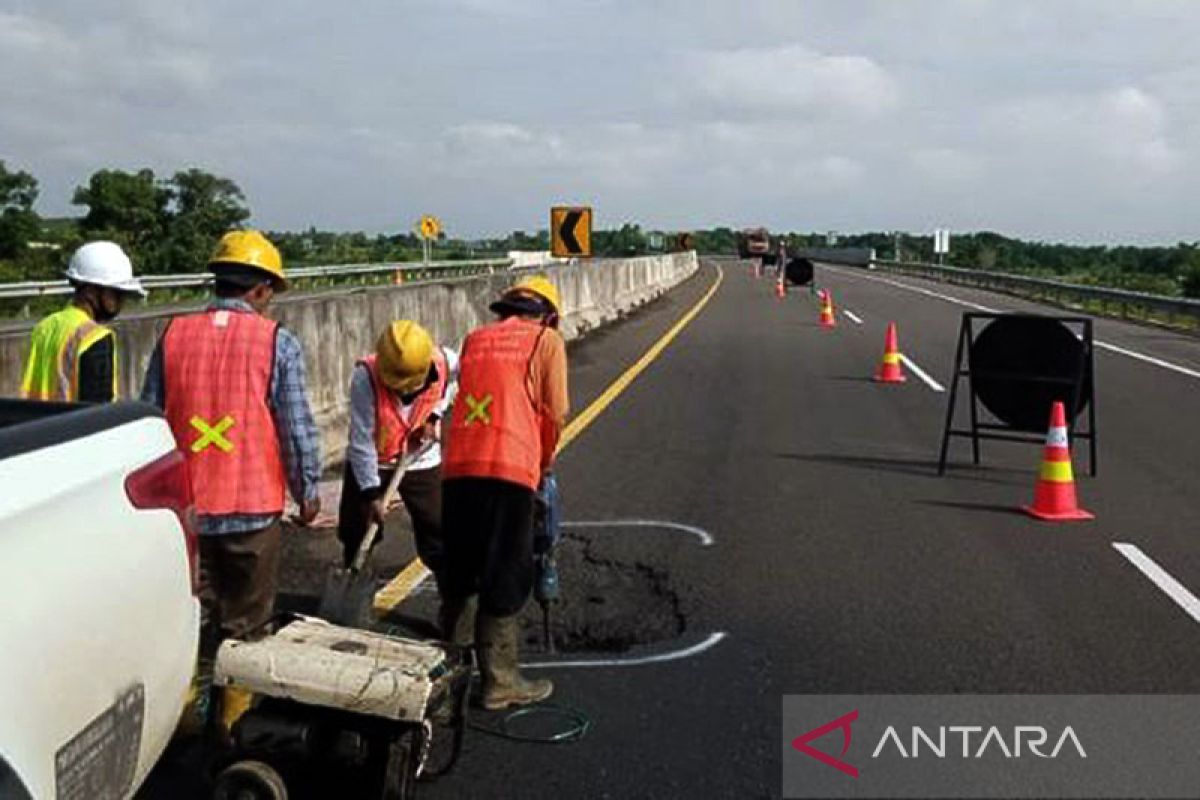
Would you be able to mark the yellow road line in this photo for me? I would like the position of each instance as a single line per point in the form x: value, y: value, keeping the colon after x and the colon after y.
x: 402, y: 585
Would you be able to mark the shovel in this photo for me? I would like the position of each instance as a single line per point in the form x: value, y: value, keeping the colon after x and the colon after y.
x: 349, y: 593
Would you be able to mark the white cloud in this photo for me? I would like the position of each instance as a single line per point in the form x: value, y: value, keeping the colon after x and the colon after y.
x: 946, y: 165
x: 503, y: 8
x: 1078, y: 118
x: 790, y: 79
x: 1123, y: 129
x: 839, y: 171
x: 26, y: 35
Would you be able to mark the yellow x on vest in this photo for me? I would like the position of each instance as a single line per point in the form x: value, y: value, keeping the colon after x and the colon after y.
x: 212, y: 434
x: 479, y: 410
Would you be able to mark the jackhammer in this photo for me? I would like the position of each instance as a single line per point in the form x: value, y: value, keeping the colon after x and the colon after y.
x: 547, y: 532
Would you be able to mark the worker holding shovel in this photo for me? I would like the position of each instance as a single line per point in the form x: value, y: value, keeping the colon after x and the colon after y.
x: 398, y: 396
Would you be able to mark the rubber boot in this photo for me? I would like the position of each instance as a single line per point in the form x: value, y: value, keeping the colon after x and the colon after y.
x: 503, y: 685
x: 457, y: 620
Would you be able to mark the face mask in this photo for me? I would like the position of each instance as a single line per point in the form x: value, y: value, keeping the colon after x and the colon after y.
x: 107, y: 306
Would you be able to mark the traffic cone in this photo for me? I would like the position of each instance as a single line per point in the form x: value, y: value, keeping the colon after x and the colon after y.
x: 1054, y: 498
x: 828, y: 320
x: 890, y: 369
x: 780, y: 290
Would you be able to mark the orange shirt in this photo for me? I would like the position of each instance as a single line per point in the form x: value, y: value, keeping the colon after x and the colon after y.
x: 548, y: 386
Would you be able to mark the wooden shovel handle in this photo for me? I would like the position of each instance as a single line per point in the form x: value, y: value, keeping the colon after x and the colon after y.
x: 364, y: 548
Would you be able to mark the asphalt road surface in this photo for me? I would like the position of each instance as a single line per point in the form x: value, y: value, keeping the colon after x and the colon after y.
x: 839, y: 561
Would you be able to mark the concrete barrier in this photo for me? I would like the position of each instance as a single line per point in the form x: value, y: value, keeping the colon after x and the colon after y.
x: 338, y: 326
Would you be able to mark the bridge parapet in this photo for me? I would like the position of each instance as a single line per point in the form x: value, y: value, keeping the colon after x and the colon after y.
x: 339, y: 325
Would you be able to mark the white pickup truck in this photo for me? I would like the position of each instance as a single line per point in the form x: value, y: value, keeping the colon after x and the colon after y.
x: 99, y: 623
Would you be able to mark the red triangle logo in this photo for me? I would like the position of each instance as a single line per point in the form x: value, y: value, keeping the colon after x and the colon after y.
x: 843, y: 722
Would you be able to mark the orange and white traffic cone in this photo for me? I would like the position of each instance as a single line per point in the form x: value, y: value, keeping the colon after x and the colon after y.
x: 780, y: 290
x: 828, y: 320
x: 890, y: 369
x: 1054, y: 498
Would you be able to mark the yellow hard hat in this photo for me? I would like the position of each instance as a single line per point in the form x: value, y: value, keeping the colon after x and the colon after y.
x: 249, y: 249
x: 539, y: 286
x: 404, y: 353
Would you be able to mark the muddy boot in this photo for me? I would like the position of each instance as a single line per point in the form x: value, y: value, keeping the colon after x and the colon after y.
x: 503, y: 685
x: 456, y: 618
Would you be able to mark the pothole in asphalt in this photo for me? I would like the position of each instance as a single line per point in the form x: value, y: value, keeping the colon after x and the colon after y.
x: 609, y: 602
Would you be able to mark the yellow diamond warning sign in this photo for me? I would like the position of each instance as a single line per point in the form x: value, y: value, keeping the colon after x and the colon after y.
x: 430, y: 227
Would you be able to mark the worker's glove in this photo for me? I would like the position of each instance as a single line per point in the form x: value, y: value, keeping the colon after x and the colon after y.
x: 429, y: 432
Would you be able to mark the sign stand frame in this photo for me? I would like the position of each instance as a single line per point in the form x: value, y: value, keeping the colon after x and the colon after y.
x: 990, y: 430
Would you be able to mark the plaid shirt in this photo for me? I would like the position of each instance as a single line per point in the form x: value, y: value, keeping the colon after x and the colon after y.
x: 299, y: 439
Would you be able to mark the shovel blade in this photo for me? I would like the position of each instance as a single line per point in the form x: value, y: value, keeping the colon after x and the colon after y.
x: 348, y: 598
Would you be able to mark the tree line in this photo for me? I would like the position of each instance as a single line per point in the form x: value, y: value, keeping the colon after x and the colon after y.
x: 166, y: 224
x: 1167, y: 270
x: 170, y: 224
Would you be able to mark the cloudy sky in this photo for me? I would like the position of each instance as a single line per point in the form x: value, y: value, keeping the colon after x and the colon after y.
x: 1057, y: 119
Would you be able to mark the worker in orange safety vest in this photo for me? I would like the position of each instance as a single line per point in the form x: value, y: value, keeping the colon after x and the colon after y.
x: 398, y: 397
x: 504, y: 430
x: 232, y: 384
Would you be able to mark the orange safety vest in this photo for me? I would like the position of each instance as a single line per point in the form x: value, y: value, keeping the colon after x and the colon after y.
x: 217, y: 366
x: 391, y: 431
x: 495, y: 427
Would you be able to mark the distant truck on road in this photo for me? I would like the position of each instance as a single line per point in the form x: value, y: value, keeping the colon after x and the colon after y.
x: 100, y: 625
x: 756, y: 243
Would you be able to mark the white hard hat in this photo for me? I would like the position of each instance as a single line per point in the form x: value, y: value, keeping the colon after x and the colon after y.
x: 104, y: 264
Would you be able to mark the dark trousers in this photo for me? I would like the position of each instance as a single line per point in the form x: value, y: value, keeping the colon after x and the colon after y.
x: 239, y: 575
x: 421, y: 491
x: 489, y: 543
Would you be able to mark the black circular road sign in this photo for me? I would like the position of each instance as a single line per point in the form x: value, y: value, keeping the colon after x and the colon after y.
x: 799, y: 271
x: 1021, y: 364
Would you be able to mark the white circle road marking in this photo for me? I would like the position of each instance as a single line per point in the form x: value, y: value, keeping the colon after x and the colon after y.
x: 712, y: 640
x: 706, y: 539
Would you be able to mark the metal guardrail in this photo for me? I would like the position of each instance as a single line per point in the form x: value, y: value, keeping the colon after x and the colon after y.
x: 411, y: 270
x: 1113, y: 302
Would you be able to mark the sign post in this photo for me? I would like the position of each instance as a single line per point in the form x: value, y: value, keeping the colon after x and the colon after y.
x: 941, y: 243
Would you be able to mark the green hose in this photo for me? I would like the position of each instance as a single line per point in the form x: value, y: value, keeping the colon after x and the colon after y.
x: 579, y: 725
